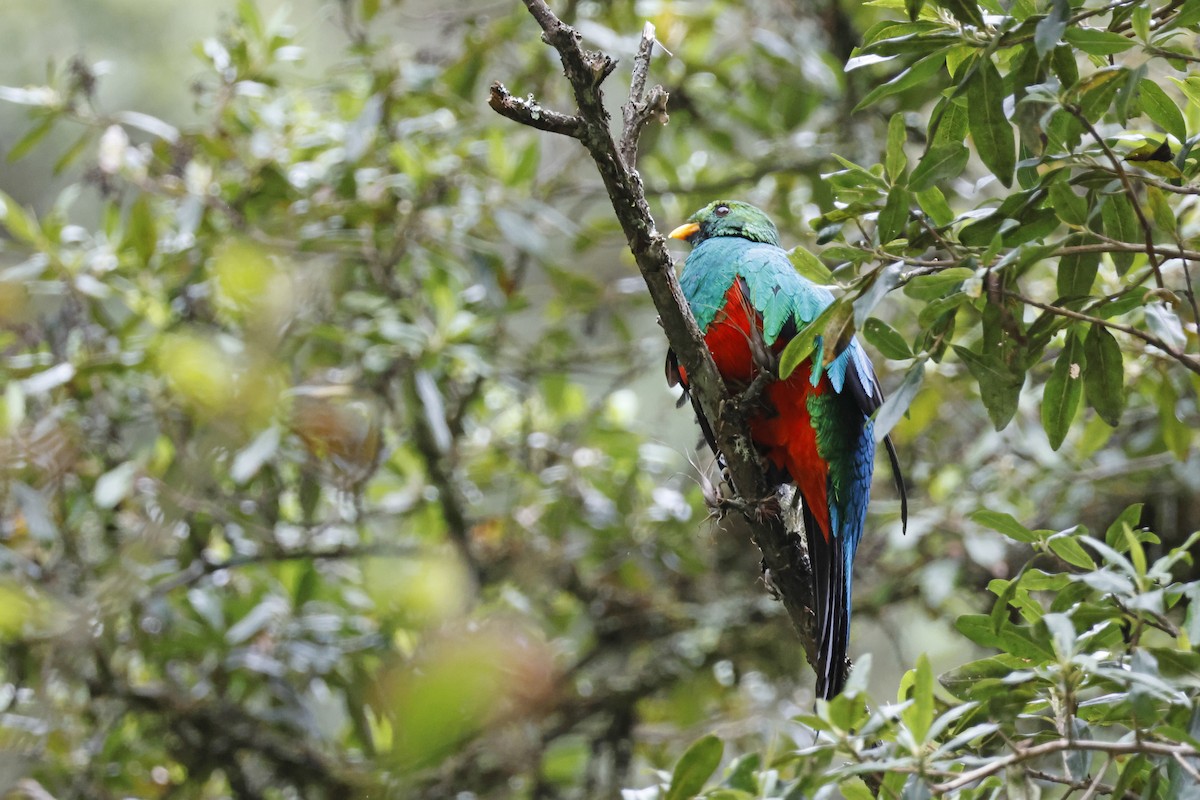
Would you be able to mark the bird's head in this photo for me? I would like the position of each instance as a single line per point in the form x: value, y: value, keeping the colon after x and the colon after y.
x: 728, y: 218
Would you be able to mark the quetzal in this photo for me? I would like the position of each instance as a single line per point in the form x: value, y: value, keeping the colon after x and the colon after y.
x: 814, y: 428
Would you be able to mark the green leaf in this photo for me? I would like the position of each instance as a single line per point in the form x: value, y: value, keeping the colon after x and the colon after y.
x: 1063, y: 390
x: 31, y: 138
x: 810, y: 266
x: 913, y: 8
x: 1104, y: 374
x: 896, y: 161
x: 695, y: 767
x: 929, y: 287
x: 142, y: 233
x: 987, y: 674
x: 1114, y: 537
x: 894, y: 407
x: 1062, y: 61
x: 894, y: 216
x: 993, y: 135
x: 934, y: 204
x: 1066, y: 547
x: 1005, y: 524
x: 916, y: 75
x: 1050, y: 29
x: 1158, y: 106
x: 1096, y: 42
x: 856, y: 788
x: 1070, y: 207
x: 833, y: 321
x: 965, y: 11
x: 1012, y: 639
x: 1077, y: 271
x: 999, y: 384
x: 1120, y: 223
x: 886, y: 339
x: 741, y: 773
x: 73, y: 152
x: 862, y: 176
x: 1161, y: 211
x: 938, y: 165
x: 17, y: 222
x: 1176, y: 433
x: 918, y: 715
x: 1096, y: 91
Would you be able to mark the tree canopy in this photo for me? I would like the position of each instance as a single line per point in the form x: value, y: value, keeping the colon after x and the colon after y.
x: 338, y: 460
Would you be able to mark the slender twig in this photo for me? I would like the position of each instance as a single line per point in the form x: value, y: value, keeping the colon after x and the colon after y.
x: 1060, y: 745
x: 200, y: 568
x: 529, y: 112
x: 1103, y: 788
x: 1188, y: 768
x: 1095, y: 785
x: 1147, y: 231
x: 1191, y: 362
x: 638, y: 111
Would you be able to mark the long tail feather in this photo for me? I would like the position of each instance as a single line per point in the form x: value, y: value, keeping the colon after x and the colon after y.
x: 831, y: 596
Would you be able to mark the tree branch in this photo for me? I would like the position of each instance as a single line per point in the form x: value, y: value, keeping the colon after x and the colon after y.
x: 782, y: 552
x: 1063, y: 745
x: 1191, y: 362
x: 1147, y: 231
x: 528, y: 112
x: 637, y: 112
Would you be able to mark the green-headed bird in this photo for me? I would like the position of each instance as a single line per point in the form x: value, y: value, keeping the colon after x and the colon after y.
x: 814, y: 428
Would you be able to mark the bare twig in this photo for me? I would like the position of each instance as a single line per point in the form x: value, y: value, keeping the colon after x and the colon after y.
x: 200, y: 568
x: 585, y: 71
x: 638, y: 111
x: 1102, y: 788
x: 529, y: 112
x: 1179, y: 751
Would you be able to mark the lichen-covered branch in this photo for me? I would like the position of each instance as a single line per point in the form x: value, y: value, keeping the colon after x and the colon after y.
x: 783, y: 556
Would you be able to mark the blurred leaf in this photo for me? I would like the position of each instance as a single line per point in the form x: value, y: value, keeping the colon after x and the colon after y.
x: 897, y: 137
x: 695, y: 767
x: 1004, y: 523
x: 249, y: 461
x: 1050, y: 29
x: 113, y: 486
x: 895, y: 406
x: 31, y: 138
x: 999, y: 384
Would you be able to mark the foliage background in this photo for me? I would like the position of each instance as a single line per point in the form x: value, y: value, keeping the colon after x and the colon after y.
x: 338, y: 460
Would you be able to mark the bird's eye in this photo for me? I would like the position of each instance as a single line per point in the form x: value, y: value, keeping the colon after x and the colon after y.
x: 721, y: 211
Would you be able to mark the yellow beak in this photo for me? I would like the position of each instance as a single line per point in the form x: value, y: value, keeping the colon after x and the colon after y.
x: 685, y: 231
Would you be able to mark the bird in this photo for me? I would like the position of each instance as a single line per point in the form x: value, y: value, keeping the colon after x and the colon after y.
x: 814, y: 428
